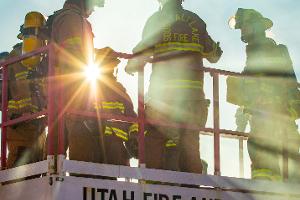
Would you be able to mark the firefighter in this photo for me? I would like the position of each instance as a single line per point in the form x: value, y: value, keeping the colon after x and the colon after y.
x: 112, y: 98
x: 3, y: 56
x: 178, y: 42
x: 72, y: 32
x: 269, y: 94
x: 25, y: 140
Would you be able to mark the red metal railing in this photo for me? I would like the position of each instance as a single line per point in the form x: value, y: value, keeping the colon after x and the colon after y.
x: 5, y: 121
x: 55, y: 90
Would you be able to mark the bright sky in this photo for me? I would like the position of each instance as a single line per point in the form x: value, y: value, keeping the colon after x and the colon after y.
x: 119, y: 25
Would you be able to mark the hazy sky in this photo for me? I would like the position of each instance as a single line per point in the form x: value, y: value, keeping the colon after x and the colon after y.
x: 119, y: 25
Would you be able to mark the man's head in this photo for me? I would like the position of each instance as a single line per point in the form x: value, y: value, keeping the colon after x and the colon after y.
x: 87, y: 6
x: 163, y: 2
x: 107, y: 58
x: 251, y: 23
x: 3, y: 56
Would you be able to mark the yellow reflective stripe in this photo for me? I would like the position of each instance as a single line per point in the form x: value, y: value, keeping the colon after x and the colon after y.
x: 121, y: 136
x: 262, y: 173
x: 133, y: 128
x: 167, y: 44
x: 170, y: 143
x: 12, y: 104
x: 188, y: 84
x: 110, y: 106
x: 113, y: 105
x: 178, y: 46
x: 24, y: 100
x: 108, y: 131
x: 21, y: 75
x: 183, y: 87
x: 120, y: 133
x: 72, y: 41
x: 266, y: 174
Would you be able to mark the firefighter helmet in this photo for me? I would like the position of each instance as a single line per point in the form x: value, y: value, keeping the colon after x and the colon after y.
x: 3, y: 55
x: 106, y: 56
x: 246, y: 17
x: 251, y: 23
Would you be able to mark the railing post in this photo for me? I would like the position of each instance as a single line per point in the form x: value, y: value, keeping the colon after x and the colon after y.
x: 61, y: 115
x: 4, y: 116
x: 141, y: 117
x: 51, y: 108
x: 216, y: 123
x: 61, y: 127
x: 241, y: 157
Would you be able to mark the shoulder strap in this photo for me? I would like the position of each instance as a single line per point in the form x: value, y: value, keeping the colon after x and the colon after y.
x: 47, y: 29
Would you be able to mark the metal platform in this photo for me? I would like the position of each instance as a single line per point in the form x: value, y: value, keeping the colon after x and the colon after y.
x: 90, y: 185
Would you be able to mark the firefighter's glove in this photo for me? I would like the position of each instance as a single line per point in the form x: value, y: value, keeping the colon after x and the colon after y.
x: 219, y: 51
x: 134, y: 64
x: 216, y: 54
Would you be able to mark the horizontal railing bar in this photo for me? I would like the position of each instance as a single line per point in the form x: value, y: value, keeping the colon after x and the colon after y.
x: 222, y: 72
x: 153, y: 122
x: 101, y: 116
x: 24, y: 118
x: 22, y: 57
x: 24, y: 171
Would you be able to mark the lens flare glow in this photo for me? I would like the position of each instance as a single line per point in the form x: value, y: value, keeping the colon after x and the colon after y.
x: 92, y: 72
x: 232, y: 22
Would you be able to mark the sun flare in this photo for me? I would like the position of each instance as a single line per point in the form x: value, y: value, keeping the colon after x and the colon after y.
x: 92, y: 72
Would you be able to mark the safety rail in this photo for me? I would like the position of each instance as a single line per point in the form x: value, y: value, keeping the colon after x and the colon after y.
x: 55, y: 90
x: 5, y: 122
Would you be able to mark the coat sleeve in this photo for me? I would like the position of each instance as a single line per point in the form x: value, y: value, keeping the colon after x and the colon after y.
x: 211, y: 50
x: 68, y: 31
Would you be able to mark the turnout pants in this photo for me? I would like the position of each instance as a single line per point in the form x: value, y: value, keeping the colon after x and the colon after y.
x: 84, y: 140
x: 271, y: 133
x: 170, y: 147
x: 26, y: 143
x: 115, y: 151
